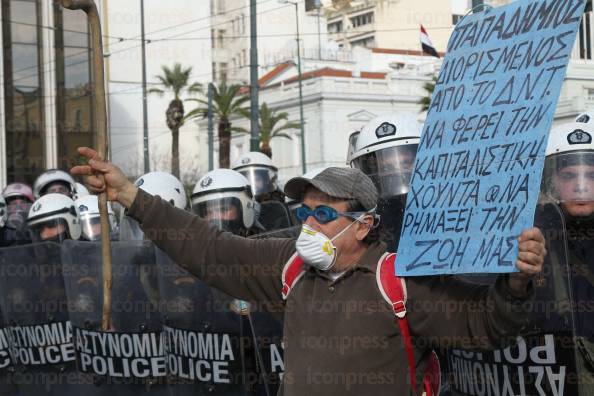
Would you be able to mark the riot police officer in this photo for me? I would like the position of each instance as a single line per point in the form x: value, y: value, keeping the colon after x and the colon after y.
x: 163, y: 184
x: 54, y: 181
x: 90, y: 220
x: 19, y: 198
x: 385, y: 150
x: 54, y: 218
x: 569, y: 180
x: 224, y: 198
x: 262, y: 175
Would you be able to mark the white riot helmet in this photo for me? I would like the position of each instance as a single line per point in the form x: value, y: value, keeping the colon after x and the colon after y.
x: 54, y: 217
x: 18, y: 190
x: 259, y: 170
x: 90, y: 220
x: 54, y: 178
x: 385, y: 150
x: 165, y: 185
x: 224, y: 198
x: 569, y: 167
x: 586, y: 117
x: 3, y: 211
x: 81, y: 191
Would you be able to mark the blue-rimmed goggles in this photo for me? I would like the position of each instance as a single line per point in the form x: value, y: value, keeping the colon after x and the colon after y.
x: 323, y: 214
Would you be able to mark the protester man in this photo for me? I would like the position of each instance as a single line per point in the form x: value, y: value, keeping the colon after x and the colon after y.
x: 340, y: 335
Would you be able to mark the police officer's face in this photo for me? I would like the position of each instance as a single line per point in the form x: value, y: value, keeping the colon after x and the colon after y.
x: 227, y: 212
x: 57, y: 188
x: 575, y: 188
x: 396, y: 162
x: 51, y: 231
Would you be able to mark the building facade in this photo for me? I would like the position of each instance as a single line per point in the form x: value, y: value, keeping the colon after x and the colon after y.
x: 276, y: 28
x: 389, y: 23
x: 46, y: 96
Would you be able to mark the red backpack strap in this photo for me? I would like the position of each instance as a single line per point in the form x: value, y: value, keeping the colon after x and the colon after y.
x: 292, y: 272
x: 432, y: 377
x: 393, y: 290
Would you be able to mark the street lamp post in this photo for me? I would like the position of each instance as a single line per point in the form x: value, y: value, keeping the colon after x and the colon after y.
x: 302, y: 121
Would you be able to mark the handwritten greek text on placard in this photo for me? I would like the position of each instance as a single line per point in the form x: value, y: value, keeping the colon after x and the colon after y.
x: 478, y: 169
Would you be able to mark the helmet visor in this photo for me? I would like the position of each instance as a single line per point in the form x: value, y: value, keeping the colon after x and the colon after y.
x: 263, y: 180
x: 91, y: 226
x: 569, y: 177
x: 390, y: 169
x: 130, y: 229
x: 224, y: 213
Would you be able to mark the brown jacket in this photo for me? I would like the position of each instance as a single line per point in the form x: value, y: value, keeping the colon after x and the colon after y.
x: 341, y: 336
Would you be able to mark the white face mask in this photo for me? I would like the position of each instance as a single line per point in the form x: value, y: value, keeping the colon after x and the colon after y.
x: 316, y: 249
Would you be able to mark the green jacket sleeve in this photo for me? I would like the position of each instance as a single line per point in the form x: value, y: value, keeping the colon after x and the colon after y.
x: 242, y: 268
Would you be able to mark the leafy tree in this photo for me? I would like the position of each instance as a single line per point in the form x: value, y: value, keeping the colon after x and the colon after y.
x: 176, y: 81
x: 273, y: 124
x: 228, y: 101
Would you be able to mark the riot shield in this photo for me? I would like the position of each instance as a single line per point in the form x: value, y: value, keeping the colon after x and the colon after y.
x: 206, y: 342
x: 391, y: 212
x: 33, y: 302
x: 274, y: 215
x: 580, y: 242
x: 291, y: 232
x: 6, y: 368
x: 129, y: 357
x: 543, y: 360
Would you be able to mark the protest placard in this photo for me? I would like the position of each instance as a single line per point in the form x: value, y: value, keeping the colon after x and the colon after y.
x: 478, y: 169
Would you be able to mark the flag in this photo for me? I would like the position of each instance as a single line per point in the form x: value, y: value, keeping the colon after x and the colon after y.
x: 427, y: 45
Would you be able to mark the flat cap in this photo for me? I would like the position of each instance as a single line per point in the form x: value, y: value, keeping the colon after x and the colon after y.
x: 341, y: 183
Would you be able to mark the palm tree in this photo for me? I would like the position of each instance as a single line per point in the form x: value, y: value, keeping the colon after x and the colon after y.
x: 270, y: 127
x: 425, y: 101
x: 175, y: 80
x: 227, y: 102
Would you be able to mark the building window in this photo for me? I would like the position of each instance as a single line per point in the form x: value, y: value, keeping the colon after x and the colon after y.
x: 591, y: 94
x: 214, y: 71
x: 456, y: 18
x: 368, y: 42
x: 311, y: 5
x: 335, y: 27
x: 223, y: 71
x: 221, y: 38
x: 586, y: 34
x: 363, y: 19
x: 74, y: 93
x: 23, y: 90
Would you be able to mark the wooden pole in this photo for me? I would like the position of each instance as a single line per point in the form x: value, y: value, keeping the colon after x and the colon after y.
x: 89, y: 7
